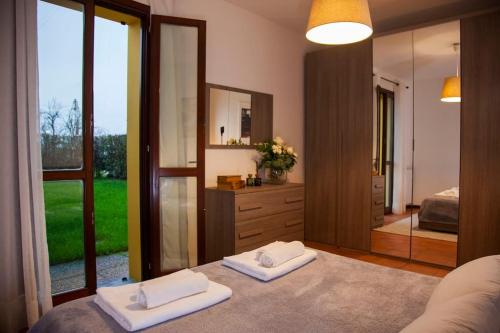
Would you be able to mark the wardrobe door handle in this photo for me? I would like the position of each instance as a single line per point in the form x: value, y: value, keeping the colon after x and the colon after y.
x: 251, y: 233
x: 378, y: 186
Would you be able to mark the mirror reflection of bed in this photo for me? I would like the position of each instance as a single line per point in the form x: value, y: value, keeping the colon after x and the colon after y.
x: 416, y: 146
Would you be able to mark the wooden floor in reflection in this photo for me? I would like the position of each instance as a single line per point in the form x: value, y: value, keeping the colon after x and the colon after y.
x: 434, y: 251
x: 383, y: 260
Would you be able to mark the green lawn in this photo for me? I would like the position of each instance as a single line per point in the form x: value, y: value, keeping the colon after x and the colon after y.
x: 64, y: 218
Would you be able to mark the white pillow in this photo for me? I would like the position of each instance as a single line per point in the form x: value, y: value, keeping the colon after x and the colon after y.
x: 475, y: 312
x: 482, y: 274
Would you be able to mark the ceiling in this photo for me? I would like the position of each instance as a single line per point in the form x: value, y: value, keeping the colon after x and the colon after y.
x: 425, y: 53
x: 386, y: 15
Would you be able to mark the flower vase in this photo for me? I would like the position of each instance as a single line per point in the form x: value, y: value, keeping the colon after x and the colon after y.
x: 276, y: 177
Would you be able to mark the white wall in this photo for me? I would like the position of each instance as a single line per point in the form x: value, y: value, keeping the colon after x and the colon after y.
x: 250, y: 52
x: 437, y: 140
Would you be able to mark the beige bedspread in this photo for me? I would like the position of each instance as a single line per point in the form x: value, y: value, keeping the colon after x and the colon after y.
x: 330, y: 294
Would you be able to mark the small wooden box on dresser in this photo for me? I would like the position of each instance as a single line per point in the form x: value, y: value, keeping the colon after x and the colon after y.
x: 245, y: 219
x: 378, y: 195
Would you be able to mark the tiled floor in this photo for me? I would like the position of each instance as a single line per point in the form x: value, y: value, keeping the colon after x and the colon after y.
x: 111, y: 270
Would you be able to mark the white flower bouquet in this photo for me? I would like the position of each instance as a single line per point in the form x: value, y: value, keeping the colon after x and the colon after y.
x: 276, y: 156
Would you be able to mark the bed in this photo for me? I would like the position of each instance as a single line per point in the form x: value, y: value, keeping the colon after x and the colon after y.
x: 440, y: 212
x: 331, y: 293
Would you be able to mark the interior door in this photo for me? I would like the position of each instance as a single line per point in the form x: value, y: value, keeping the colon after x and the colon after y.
x: 177, y: 143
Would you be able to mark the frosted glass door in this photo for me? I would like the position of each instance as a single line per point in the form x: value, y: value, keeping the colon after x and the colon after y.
x: 178, y: 83
x: 178, y: 96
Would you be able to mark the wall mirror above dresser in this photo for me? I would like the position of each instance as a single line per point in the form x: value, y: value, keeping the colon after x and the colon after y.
x: 237, y: 118
x: 416, y: 144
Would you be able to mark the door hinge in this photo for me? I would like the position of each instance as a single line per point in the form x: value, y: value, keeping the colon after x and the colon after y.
x: 92, y: 216
x: 149, y: 266
x: 147, y: 148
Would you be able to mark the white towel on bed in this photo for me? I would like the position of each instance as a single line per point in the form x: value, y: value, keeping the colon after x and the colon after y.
x: 272, y: 245
x: 278, y: 255
x: 246, y: 263
x: 171, y: 287
x: 121, y: 304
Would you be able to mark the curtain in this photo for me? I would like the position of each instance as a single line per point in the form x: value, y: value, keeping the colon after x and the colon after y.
x: 35, y: 259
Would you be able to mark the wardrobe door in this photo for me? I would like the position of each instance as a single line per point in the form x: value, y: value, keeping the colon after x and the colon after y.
x: 338, y: 143
x: 322, y: 135
x: 479, y: 212
x: 355, y: 110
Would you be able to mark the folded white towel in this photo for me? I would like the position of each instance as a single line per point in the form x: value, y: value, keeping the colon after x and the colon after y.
x: 261, y: 250
x: 121, y: 304
x: 246, y: 263
x: 171, y: 287
x: 278, y: 255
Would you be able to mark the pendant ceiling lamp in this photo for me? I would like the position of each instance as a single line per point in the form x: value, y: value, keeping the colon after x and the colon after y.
x: 451, y: 87
x: 336, y: 22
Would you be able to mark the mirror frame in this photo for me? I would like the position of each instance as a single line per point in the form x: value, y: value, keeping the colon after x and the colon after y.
x: 255, y: 96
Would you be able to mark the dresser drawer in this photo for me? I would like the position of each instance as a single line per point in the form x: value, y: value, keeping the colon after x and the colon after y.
x: 377, y: 221
x: 254, y: 205
x: 377, y: 200
x: 299, y: 236
x: 377, y: 187
x: 268, y: 229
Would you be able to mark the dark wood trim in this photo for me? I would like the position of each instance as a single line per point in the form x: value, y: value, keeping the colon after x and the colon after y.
x: 156, y: 171
x: 239, y: 90
x: 429, y: 23
x: 384, y: 93
x: 479, y: 209
x: 86, y: 173
x: 70, y: 295
x: 143, y: 12
x: 88, y: 148
x: 126, y: 6
x: 178, y: 172
x: 54, y: 175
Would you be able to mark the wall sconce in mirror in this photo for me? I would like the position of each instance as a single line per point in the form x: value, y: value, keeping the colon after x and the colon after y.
x: 237, y: 118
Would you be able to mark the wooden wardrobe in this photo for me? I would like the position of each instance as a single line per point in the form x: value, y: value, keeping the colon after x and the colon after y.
x: 338, y: 141
x: 479, y: 212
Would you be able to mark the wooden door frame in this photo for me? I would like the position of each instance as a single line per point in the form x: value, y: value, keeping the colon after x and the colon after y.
x: 86, y: 173
x: 381, y: 91
x: 155, y: 171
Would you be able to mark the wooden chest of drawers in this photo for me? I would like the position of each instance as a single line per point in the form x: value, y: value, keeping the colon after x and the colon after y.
x: 378, y: 195
x: 242, y: 220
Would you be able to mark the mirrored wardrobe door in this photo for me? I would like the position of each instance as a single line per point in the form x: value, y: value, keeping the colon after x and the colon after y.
x: 392, y: 144
x: 436, y: 158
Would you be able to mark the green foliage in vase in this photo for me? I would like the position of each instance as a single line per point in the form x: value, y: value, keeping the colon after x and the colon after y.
x: 276, y: 155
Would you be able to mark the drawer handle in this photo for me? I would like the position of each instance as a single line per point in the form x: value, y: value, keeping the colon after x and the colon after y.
x: 378, y: 186
x: 289, y: 224
x: 251, y: 233
x: 379, y: 202
x: 293, y: 200
x: 244, y: 208
x: 379, y: 218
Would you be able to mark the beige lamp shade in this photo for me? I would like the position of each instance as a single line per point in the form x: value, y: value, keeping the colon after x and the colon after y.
x: 451, y: 90
x: 336, y: 22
